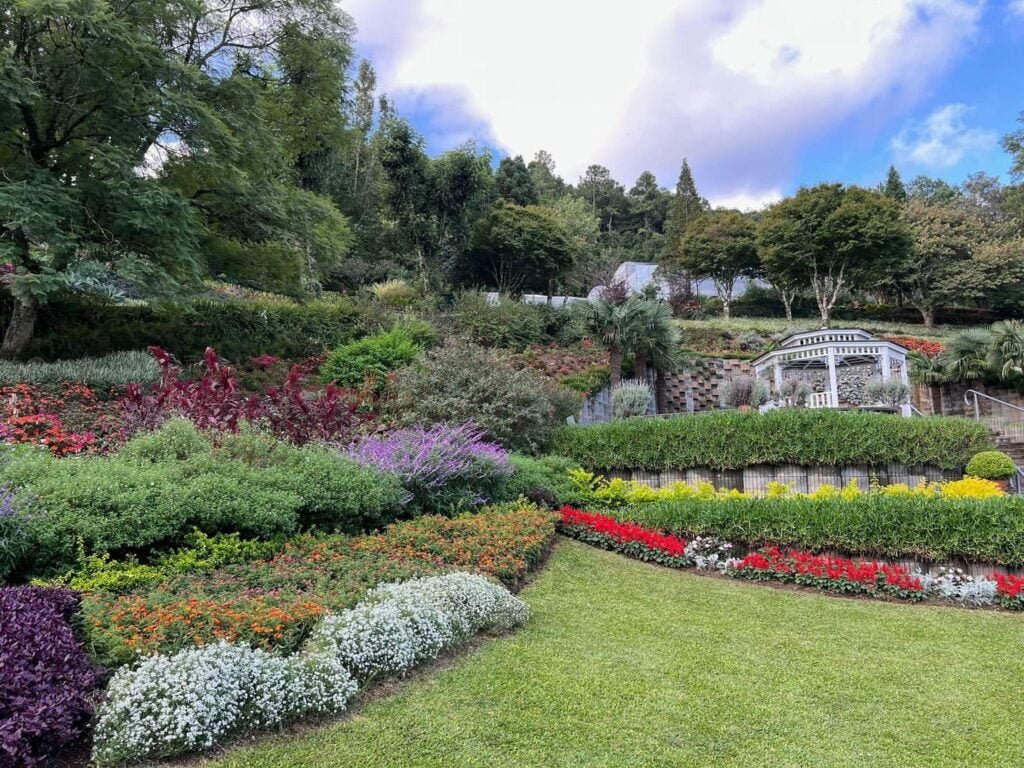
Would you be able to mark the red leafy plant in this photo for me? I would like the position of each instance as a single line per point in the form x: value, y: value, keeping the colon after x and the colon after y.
x: 73, y: 421
x: 216, y: 401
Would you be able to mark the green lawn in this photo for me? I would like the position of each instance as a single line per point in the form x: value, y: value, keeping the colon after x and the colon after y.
x: 627, y: 664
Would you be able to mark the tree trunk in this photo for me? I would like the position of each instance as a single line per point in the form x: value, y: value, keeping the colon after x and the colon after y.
x: 823, y: 309
x: 615, y: 365
x: 640, y: 366
x: 726, y: 308
x: 19, y: 329
x: 421, y: 267
x: 787, y: 302
x: 927, y: 316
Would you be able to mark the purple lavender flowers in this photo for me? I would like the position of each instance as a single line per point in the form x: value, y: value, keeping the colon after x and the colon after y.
x: 444, y: 468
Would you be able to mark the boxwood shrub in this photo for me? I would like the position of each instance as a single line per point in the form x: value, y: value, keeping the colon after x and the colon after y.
x: 149, y: 496
x: 980, y: 530
x: 733, y: 440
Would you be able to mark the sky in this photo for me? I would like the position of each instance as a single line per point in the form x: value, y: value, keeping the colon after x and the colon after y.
x: 761, y: 96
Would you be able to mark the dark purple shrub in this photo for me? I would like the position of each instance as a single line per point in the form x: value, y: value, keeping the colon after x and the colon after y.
x: 47, y: 682
x: 444, y: 468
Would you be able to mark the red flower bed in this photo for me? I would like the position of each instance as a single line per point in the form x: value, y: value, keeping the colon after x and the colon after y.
x: 1009, y: 590
x: 835, y: 574
x: 69, y: 422
x: 625, y: 537
x: 926, y: 347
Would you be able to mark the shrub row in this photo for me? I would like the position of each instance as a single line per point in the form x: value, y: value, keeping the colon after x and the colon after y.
x: 48, y: 686
x: 195, y: 698
x: 273, y: 603
x: 165, y: 484
x: 76, y: 326
x: 984, y: 530
x: 732, y: 440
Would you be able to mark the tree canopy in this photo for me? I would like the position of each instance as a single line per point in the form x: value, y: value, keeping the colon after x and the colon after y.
x: 830, y: 238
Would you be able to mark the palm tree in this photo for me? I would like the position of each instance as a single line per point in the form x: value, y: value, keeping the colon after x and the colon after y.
x: 654, y: 339
x: 611, y: 324
x: 967, y: 357
x: 1006, y: 348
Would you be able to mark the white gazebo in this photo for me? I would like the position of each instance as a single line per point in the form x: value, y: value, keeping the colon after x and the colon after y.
x: 829, y: 351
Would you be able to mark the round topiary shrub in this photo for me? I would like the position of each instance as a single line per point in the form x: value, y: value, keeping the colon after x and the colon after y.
x: 630, y: 398
x: 991, y: 465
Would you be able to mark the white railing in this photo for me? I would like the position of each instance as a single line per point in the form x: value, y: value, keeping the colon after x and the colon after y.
x: 819, y: 400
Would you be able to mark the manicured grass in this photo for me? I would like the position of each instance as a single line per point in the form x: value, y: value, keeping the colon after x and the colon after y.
x: 627, y: 664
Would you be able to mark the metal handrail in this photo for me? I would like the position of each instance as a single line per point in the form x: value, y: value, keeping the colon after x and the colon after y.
x: 973, y: 395
x: 915, y: 409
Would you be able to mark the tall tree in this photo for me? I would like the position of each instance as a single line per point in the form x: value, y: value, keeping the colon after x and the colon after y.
x: 362, y: 116
x: 517, y: 248
x: 721, y: 245
x: 944, y: 239
x: 407, y: 190
x: 687, y: 205
x: 606, y: 196
x: 932, y: 190
x: 829, y: 239
x: 126, y: 130
x: 514, y: 182
x: 894, y: 188
x: 462, y: 190
x: 549, y: 185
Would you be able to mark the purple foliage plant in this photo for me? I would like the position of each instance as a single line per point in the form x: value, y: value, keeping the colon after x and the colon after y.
x: 47, y: 682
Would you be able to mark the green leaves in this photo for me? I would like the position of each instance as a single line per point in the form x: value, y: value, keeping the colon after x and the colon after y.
x: 805, y: 437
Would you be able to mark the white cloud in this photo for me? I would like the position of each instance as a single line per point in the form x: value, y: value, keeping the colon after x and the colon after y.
x: 736, y: 87
x: 1016, y: 7
x: 747, y: 200
x: 942, y: 139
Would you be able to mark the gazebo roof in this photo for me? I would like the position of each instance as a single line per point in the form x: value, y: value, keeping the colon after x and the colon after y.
x: 823, y: 335
x: 811, y: 349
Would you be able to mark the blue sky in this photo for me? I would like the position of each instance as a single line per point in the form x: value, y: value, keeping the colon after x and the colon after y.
x: 761, y: 95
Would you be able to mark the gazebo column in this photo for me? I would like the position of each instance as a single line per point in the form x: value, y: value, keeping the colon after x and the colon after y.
x: 833, y: 381
x: 886, y: 364
x: 778, y: 377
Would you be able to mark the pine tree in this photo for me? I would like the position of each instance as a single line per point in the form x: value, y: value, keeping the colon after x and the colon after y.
x: 893, y: 187
x: 686, y: 206
x: 514, y: 181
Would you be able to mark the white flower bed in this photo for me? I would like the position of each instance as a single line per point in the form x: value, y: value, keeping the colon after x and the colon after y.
x: 399, y: 625
x: 192, y: 699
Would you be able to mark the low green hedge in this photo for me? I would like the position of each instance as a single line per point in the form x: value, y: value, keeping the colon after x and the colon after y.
x: 169, y: 483
x: 980, y: 530
x: 733, y: 440
x: 73, y: 327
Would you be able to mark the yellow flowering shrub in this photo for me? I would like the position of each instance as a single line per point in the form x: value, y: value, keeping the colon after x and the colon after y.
x: 618, y: 492
x: 971, y: 488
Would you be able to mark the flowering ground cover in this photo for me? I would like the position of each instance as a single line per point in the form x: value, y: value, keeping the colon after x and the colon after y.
x: 625, y: 664
x: 274, y: 603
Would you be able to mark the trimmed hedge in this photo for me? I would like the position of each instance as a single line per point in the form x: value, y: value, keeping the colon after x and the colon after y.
x: 75, y: 326
x: 733, y: 440
x: 980, y: 530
